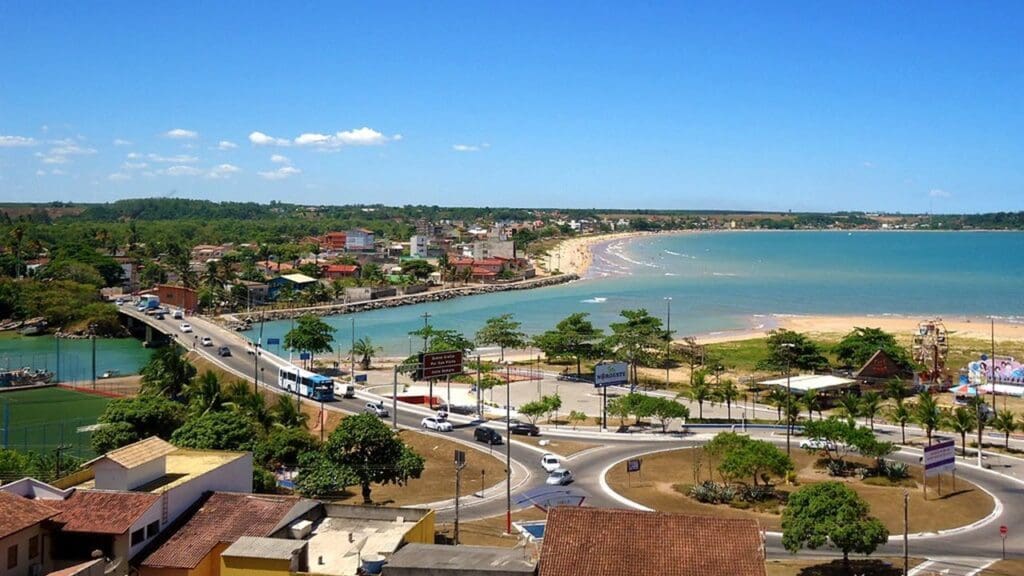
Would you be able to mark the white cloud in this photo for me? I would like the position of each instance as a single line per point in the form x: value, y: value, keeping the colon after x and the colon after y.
x: 868, y: 164
x: 40, y: 172
x: 261, y: 139
x: 465, y: 148
x: 71, y: 149
x: 312, y: 139
x: 281, y: 173
x: 223, y: 171
x: 279, y: 159
x: 180, y: 171
x: 226, y: 145
x: 181, y: 134
x: 16, y: 141
x: 120, y: 142
x: 937, y: 193
x: 134, y: 165
x: 133, y: 155
x: 118, y: 177
x: 363, y: 137
x: 57, y: 172
x: 51, y: 159
x: 176, y: 159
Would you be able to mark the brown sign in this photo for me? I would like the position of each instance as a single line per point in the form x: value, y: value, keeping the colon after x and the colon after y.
x: 438, y: 364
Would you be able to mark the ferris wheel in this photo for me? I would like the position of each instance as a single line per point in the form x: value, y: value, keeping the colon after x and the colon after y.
x: 931, y: 347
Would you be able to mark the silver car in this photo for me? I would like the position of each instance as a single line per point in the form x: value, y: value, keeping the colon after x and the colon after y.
x: 559, y: 477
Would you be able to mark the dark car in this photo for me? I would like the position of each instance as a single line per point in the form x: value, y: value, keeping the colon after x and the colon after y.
x: 524, y: 428
x: 224, y: 351
x: 487, y: 435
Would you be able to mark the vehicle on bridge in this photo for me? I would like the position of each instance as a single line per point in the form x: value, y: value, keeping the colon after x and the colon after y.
x: 308, y: 384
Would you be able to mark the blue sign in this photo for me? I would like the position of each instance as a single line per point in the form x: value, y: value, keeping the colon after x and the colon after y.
x: 273, y: 341
x: 305, y: 355
x: 360, y: 377
x: 633, y: 465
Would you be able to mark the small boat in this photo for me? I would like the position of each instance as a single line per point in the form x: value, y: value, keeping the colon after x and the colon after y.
x: 110, y: 374
x: 24, y: 377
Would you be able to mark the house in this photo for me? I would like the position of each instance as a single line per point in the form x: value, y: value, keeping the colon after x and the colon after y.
x: 256, y: 292
x: 24, y: 548
x: 359, y: 240
x: 441, y: 560
x: 333, y: 271
x: 606, y: 542
x: 178, y: 296
x: 880, y: 368
x: 296, y: 282
x: 271, y: 267
x: 335, y: 241
x: 418, y: 246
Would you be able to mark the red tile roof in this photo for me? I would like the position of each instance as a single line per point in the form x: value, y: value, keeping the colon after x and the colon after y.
x: 601, y: 542
x: 483, y: 272
x: 102, y: 512
x: 20, y: 513
x: 342, y: 268
x: 460, y: 261
x: 494, y: 261
x: 223, y: 517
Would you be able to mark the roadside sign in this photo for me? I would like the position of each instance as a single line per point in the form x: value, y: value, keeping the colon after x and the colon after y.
x: 633, y: 465
x: 273, y: 341
x: 360, y: 377
x: 460, y: 458
x: 305, y: 355
x: 437, y: 364
x: 1003, y: 531
x: 611, y: 374
x: 939, y: 457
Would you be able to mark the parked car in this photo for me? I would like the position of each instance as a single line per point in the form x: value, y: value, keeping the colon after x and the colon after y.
x: 549, y: 462
x: 456, y: 409
x: 817, y: 444
x: 186, y: 327
x: 224, y: 351
x: 432, y: 423
x: 159, y: 316
x: 206, y: 341
x: 524, y: 428
x: 559, y: 477
x: 177, y: 315
x: 487, y: 435
x: 377, y: 409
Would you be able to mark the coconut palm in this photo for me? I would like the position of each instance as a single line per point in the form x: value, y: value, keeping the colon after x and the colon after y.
x: 700, y: 391
x: 870, y: 403
x: 204, y: 394
x: 927, y: 414
x: 777, y: 397
x: 727, y: 392
x: 366, y: 350
x: 288, y: 414
x: 962, y: 422
x: 895, y: 389
x: 849, y: 404
x: 1006, y: 422
x: 813, y: 402
x: 901, y: 414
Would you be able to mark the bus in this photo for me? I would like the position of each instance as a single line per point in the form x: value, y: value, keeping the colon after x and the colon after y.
x: 309, y: 384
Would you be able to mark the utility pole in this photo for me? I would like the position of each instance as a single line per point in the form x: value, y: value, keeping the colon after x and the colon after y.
x: 93, y: 338
x: 460, y: 463
x: 906, y: 532
x: 789, y: 393
x: 394, y: 397
x: 426, y: 326
x: 352, y: 351
x: 668, y: 337
x: 508, y: 449
x: 479, y: 392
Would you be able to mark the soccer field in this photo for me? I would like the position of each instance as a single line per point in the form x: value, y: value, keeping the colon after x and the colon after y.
x: 42, y: 419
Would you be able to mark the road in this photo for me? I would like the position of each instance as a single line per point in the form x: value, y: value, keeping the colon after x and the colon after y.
x: 959, y: 553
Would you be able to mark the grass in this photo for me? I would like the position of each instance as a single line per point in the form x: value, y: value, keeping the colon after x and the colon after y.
x: 1013, y: 567
x: 861, y: 567
x: 666, y: 476
x: 557, y: 446
x: 43, y: 418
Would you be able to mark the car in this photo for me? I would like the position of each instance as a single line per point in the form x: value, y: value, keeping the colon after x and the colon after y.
x: 223, y: 351
x: 817, y: 444
x: 159, y: 316
x: 487, y: 435
x: 120, y: 301
x: 206, y: 341
x: 432, y: 423
x: 549, y: 462
x: 377, y: 409
x: 559, y: 477
x: 177, y: 315
x: 186, y: 327
x: 525, y: 428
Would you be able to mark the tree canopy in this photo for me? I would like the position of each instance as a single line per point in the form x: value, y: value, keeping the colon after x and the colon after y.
x: 217, y: 431
x: 310, y: 334
x: 860, y: 345
x: 574, y: 336
x: 637, y: 340
x: 793, y: 350
x: 501, y: 331
x: 830, y: 513
x: 127, y: 420
x: 372, y: 452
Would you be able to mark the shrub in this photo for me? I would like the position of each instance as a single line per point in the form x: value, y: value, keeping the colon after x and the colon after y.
x: 836, y: 468
x: 710, y: 492
x: 896, y: 470
x: 756, y: 493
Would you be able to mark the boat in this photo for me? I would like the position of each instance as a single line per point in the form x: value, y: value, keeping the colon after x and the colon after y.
x: 110, y: 374
x: 24, y: 377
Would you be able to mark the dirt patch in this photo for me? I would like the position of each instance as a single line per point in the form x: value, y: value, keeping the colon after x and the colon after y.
x: 1003, y: 568
x: 557, y: 446
x: 867, y: 567
x: 955, y: 507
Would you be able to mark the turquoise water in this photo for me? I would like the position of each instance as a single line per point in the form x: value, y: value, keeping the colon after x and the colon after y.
x: 739, y: 280
x: 123, y: 354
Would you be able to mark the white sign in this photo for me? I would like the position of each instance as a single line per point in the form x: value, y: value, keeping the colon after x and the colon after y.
x: 939, y: 457
x: 612, y: 374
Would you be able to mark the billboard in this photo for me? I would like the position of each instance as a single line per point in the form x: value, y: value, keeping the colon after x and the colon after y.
x: 939, y: 457
x: 438, y: 364
x: 611, y: 374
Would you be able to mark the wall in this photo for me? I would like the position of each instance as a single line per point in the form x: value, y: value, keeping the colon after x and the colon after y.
x: 208, y: 566
x: 110, y: 475
x: 423, y: 531
x: 144, y: 473
x: 21, y: 539
x: 253, y: 567
x: 151, y: 515
x: 235, y: 476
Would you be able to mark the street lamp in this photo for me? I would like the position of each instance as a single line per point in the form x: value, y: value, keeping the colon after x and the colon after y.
x: 668, y: 337
x: 789, y: 392
x: 508, y: 447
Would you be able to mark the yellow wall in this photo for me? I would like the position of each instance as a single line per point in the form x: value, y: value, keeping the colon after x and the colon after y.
x: 423, y: 531
x: 253, y: 567
x: 209, y: 566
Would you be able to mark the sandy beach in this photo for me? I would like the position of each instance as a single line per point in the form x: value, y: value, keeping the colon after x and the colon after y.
x: 574, y: 255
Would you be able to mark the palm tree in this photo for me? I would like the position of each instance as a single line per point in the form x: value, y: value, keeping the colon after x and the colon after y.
x: 364, y: 347
x: 849, y: 403
x: 727, y: 392
x: 204, y: 393
x: 927, y: 413
x: 869, y: 406
x: 962, y: 422
x: 242, y: 399
x: 700, y: 391
x: 288, y: 414
x: 1006, y: 422
x: 900, y: 413
x: 895, y: 389
x: 777, y: 397
x: 812, y: 401
x: 980, y: 408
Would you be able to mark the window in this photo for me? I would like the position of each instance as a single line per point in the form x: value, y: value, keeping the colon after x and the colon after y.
x: 152, y: 529
x: 33, y: 547
x: 12, y: 556
x: 139, y: 536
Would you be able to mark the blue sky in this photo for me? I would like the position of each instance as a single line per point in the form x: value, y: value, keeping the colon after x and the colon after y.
x: 910, y: 106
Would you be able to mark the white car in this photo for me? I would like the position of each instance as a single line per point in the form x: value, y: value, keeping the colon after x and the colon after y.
x: 559, y: 477
x: 432, y: 423
x: 177, y: 315
x: 817, y: 444
x: 206, y: 341
x: 185, y: 327
x: 549, y: 462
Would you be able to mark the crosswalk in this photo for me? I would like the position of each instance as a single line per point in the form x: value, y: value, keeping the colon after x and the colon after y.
x: 952, y: 567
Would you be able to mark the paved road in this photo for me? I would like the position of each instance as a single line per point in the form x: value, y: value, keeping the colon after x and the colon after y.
x: 959, y: 553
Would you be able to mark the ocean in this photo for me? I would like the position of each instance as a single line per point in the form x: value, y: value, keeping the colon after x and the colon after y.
x: 726, y: 281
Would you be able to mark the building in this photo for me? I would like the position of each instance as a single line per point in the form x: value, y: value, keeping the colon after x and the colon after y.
x: 440, y: 560
x: 359, y: 240
x: 335, y: 241
x: 418, y: 246
x: 483, y: 249
x: 334, y: 271
x: 296, y: 282
x: 255, y: 292
x: 177, y: 296
x: 603, y: 542
x: 23, y: 544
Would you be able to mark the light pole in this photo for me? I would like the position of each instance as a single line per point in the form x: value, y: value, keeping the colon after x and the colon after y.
x: 668, y: 337
x: 789, y: 393
x: 508, y: 448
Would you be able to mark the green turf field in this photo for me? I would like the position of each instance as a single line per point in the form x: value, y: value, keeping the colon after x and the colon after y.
x: 42, y: 419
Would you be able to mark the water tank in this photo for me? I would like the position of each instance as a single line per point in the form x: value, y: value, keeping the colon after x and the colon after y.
x: 373, y: 563
x: 300, y: 530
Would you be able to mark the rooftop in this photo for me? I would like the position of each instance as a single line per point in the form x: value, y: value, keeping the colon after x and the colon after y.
x: 430, y: 557
x: 268, y: 548
x: 803, y: 383
x: 601, y: 542
x: 138, y: 453
x: 298, y: 278
x: 182, y: 466
x: 21, y: 513
x: 102, y: 512
x: 337, y: 541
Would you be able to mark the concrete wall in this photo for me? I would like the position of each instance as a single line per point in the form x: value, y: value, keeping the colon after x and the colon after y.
x: 110, y: 475
x: 20, y: 539
x: 254, y: 567
x: 414, y: 289
x: 151, y: 515
x: 357, y: 294
x: 235, y: 476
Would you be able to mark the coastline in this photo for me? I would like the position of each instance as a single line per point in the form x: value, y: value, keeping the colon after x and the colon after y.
x: 575, y: 255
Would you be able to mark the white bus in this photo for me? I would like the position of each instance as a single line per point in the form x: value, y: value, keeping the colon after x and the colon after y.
x: 308, y: 384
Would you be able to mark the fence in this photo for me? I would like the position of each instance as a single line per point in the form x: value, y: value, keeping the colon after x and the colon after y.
x: 74, y: 435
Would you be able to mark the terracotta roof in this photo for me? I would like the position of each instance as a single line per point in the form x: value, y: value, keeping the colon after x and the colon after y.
x: 461, y: 261
x: 138, y: 453
x: 602, y: 542
x: 102, y: 512
x: 21, y: 513
x: 223, y: 518
x: 493, y: 261
x: 477, y: 271
x: 342, y: 268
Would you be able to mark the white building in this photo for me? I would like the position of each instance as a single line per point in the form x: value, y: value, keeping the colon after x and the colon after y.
x: 418, y: 246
